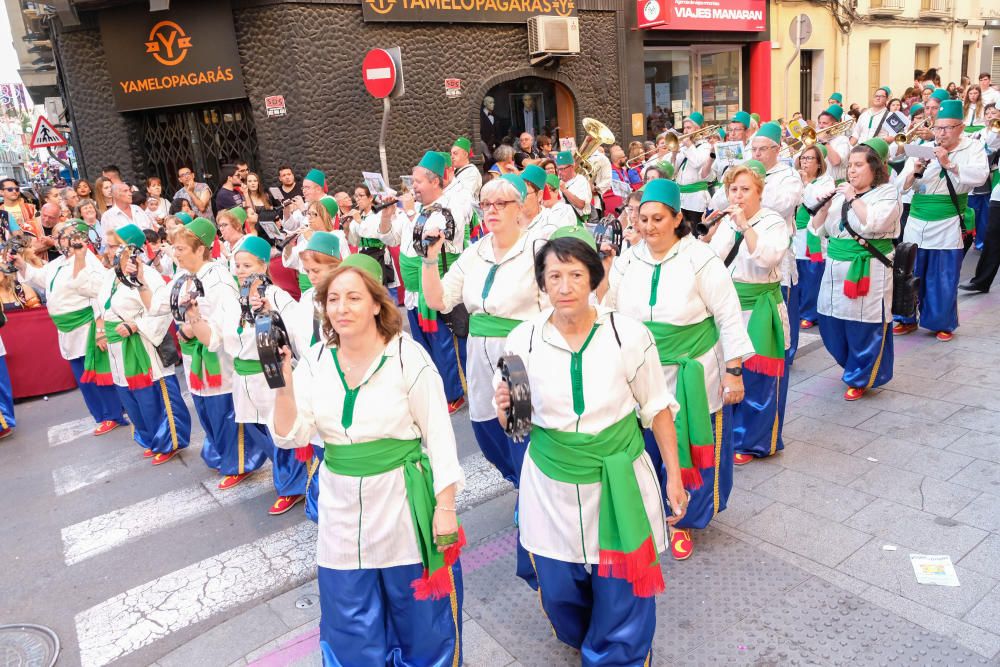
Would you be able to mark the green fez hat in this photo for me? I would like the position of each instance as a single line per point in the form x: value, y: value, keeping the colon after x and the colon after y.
x: 663, y: 191
x: 770, y: 131
x: 433, y: 162
x: 446, y: 157
x: 722, y: 132
x: 324, y: 243
x: 757, y: 167
x: 834, y: 111
x: 577, y: 232
x: 365, y: 263
x: 203, y: 229
x: 131, y: 235
x: 838, y: 97
x: 81, y: 226
x: 951, y: 109
x: 564, y: 158
x: 929, y: 86
x: 941, y: 94
x: 665, y: 168
x: 518, y: 183
x: 535, y: 175
x: 741, y: 117
x: 464, y: 144
x: 239, y: 213
x: 888, y: 91
x: 822, y: 149
x: 184, y: 217
x: 915, y: 109
x: 316, y: 176
x: 257, y: 247
x: 880, y: 147
x: 330, y: 204
x: 552, y: 180
x: 697, y: 118
x: 755, y: 117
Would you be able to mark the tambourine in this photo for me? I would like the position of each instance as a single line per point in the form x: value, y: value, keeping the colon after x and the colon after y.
x: 514, y: 373
x: 420, y: 244
x: 70, y: 239
x: 129, y: 280
x: 177, y: 308
x: 247, y: 313
x: 609, y: 230
x: 271, y: 336
x: 8, y: 250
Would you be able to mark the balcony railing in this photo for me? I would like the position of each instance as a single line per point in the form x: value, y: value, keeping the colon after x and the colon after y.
x: 935, y: 7
x: 886, y: 7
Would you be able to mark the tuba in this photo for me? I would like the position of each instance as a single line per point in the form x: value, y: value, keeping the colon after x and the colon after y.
x: 597, y: 134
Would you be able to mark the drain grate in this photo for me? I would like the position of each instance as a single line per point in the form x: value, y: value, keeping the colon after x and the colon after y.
x: 26, y: 645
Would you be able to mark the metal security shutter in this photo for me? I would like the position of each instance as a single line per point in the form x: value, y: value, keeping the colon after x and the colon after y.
x: 995, y: 64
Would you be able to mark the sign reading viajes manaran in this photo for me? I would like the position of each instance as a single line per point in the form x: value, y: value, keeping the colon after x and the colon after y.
x: 464, y: 11
x: 185, y: 55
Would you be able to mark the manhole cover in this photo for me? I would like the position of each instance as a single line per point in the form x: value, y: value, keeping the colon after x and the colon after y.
x: 26, y: 645
x: 304, y: 602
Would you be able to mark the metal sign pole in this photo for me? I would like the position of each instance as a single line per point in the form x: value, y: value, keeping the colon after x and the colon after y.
x: 797, y: 25
x: 381, y: 140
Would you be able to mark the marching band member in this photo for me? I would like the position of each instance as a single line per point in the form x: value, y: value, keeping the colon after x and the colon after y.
x: 373, y: 233
x: 324, y: 216
x: 688, y: 163
x: 7, y: 421
x: 494, y: 280
x: 232, y: 234
x: 557, y: 212
x: 836, y: 98
x: 683, y: 293
x: 589, y: 494
x: 295, y: 214
x: 737, y: 130
x: 753, y: 241
x: 855, y: 330
x: 940, y: 217
x: 534, y: 216
x: 64, y: 281
x: 446, y: 349
x: 146, y: 388
x: 253, y: 399
x: 979, y: 198
x: 871, y: 122
x: 389, y: 577
x: 466, y: 174
x: 989, y: 261
x: 226, y: 447
x: 896, y: 167
x: 812, y: 167
x: 574, y: 187
x: 837, y: 147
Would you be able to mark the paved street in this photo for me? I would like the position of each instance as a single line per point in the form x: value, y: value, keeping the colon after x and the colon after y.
x: 143, y: 565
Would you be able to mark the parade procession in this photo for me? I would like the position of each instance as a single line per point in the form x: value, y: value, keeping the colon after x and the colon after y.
x: 544, y: 381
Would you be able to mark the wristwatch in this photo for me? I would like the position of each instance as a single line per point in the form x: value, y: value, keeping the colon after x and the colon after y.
x: 738, y: 371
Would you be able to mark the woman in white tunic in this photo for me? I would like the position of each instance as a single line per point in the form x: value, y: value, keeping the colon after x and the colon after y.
x: 324, y: 216
x: 147, y: 389
x: 681, y: 290
x: 855, y: 298
x: 389, y: 578
x: 589, y: 493
x: 252, y: 397
x: 811, y: 164
x: 752, y: 241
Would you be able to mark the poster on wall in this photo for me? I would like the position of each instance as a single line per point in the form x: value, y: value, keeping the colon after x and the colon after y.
x: 708, y: 15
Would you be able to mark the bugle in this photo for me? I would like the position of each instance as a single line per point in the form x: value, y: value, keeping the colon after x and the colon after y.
x: 703, y: 227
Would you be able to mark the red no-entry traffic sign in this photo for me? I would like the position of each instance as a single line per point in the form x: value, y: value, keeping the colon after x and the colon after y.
x: 379, y: 73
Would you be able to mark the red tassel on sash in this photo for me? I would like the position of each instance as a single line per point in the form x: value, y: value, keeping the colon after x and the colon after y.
x: 140, y: 381
x: 860, y: 288
x: 304, y: 454
x: 691, y: 478
x: 437, y: 584
x: 640, y: 568
x: 703, y: 456
x: 765, y: 365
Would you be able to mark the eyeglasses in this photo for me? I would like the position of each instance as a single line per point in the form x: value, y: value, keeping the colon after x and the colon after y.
x: 11, y: 189
x: 498, y: 205
x: 807, y: 158
x: 182, y: 174
x: 359, y: 195
x: 946, y: 128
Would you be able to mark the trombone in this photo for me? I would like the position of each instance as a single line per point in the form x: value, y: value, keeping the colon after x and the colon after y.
x: 809, y: 137
x: 639, y: 159
x: 674, y: 141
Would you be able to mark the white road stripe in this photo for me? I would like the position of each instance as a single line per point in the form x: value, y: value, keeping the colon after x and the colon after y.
x: 60, y: 434
x: 68, y: 479
x: 144, y: 614
x: 114, y: 529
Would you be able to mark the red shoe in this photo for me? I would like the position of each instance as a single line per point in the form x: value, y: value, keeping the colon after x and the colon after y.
x: 106, y: 426
x: 283, y: 504
x: 6, y: 432
x: 456, y: 405
x: 945, y: 336
x: 854, y: 393
x: 229, y: 481
x: 902, y: 329
x: 160, y: 459
x: 742, y: 459
x: 806, y: 324
x: 147, y: 453
x: 681, y: 545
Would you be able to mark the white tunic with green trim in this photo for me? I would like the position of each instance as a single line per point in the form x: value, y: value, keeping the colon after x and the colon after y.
x: 365, y: 521
x: 810, y: 196
x: 65, y: 294
x: 691, y: 284
x: 560, y: 520
x: 689, y: 161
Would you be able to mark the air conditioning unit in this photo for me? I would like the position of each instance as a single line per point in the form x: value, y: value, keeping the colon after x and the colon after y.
x: 550, y: 36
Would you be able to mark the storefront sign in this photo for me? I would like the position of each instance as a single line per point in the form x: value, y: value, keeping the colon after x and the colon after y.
x: 452, y: 88
x: 274, y: 105
x: 712, y: 15
x: 185, y: 55
x: 465, y: 11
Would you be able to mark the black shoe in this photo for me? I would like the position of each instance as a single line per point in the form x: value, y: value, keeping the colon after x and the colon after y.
x: 969, y: 287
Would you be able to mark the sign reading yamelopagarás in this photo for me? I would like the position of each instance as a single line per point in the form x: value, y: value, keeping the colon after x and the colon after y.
x: 464, y: 11
x: 185, y: 55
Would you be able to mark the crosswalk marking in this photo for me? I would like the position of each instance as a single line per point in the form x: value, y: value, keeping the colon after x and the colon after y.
x: 60, y: 434
x: 151, y: 611
x: 70, y: 478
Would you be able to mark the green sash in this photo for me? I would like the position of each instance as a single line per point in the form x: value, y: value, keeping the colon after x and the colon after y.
x: 410, y: 267
x: 96, y: 362
x: 246, y: 367
x: 681, y: 345
x: 304, y: 282
x: 764, y: 328
x: 858, y: 279
x: 940, y: 207
x: 700, y: 186
x: 365, y: 459
x: 138, y: 366
x: 366, y: 242
x: 71, y: 321
x: 206, y: 371
x: 485, y: 325
x: 627, y: 549
x: 972, y: 129
x: 814, y: 247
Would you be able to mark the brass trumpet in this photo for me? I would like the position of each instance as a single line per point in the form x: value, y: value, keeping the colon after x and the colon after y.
x: 904, y: 138
x: 674, y: 141
x: 994, y: 125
